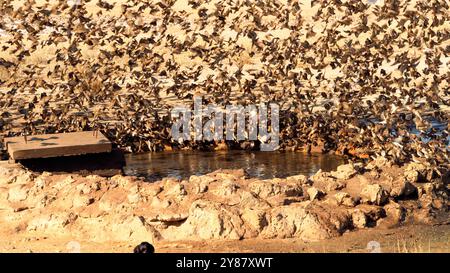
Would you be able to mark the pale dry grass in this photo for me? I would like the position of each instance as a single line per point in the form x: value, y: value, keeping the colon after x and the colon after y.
x: 404, y: 246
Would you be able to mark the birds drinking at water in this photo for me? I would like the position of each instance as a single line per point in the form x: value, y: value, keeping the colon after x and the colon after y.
x: 348, y: 74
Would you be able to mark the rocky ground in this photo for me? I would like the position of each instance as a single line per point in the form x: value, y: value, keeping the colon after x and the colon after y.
x: 225, y: 210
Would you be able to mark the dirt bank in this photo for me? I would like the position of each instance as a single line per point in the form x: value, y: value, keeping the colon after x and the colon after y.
x: 45, y: 212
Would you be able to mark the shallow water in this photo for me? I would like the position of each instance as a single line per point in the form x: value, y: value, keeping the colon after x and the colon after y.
x: 264, y: 165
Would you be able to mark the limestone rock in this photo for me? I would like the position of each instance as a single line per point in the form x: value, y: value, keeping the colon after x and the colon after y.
x: 16, y: 175
x: 326, y: 182
x: 40, y: 183
x: 158, y: 203
x: 374, y: 194
x: 395, y: 213
x: 372, y: 213
x: 401, y: 188
x: 151, y: 190
x: 255, y: 218
x: 82, y: 201
x: 249, y: 200
x: 176, y: 190
x: 303, y: 180
x: 134, y: 228
x: 346, y: 171
x: 24, y: 178
x: 64, y: 183
x: 305, y: 221
x: 233, y: 174
x: 314, y: 193
x: 359, y: 219
x: 415, y: 172
x: 170, y: 218
x: 226, y: 188
x: 345, y: 199
x: 210, y: 220
x: 18, y: 193
x: 134, y: 198
x: 123, y: 181
x: 53, y: 222
x: 284, y: 221
x: 262, y: 189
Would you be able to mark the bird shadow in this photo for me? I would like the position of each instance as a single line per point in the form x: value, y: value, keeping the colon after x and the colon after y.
x: 43, y: 139
x: 48, y: 144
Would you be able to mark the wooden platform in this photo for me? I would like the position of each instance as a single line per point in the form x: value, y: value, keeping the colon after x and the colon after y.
x: 57, y: 145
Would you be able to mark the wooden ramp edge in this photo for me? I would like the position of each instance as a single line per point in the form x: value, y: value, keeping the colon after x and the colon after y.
x: 57, y: 145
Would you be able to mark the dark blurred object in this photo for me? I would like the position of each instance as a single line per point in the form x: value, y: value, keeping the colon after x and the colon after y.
x: 103, y: 164
x: 144, y: 247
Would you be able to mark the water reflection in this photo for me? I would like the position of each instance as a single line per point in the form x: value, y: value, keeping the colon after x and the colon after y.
x: 263, y: 165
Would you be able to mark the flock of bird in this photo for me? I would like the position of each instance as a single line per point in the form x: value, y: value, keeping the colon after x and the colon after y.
x: 348, y: 74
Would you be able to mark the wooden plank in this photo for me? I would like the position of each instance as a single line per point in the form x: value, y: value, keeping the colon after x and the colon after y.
x: 55, y: 145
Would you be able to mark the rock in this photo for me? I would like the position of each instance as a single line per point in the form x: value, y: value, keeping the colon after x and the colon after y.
x: 326, y: 182
x: 395, y: 214
x: 284, y: 222
x: 374, y: 194
x: 249, y: 200
x: 24, y: 178
x: 263, y: 189
x: 401, y: 188
x: 201, y: 183
x: 134, y: 228
x: 256, y: 219
x: 40, y: 183
x: 313, y: 230
x: 415, y: 172
x: 234, y: 174
x: 122, y: 181
x: 16, y: 175
x: 345, y: 172
x: 429, y: 189
x: 18, y: 193
x: 95, y: 185
x: 314, y: 193
x: 202, y: 187
x: 372, y: 213
x: 282, y: 200
x: 176, y: 190
x: 276, y: 186
x: 134, y: 198
x: 82, y: 201
x: 301, y: 179
x: 64, y: 183
x: 84, y: 188
x: 345, y: 199
x: 433, y: 195
x: 53, y: 222
x: 413, y: 176
x: 226, y: 188
x: 424, y: 216
x: 158, y: 203
x: 290, y: 188
x: 305, y: 221
x: 151, y: 190
x: 266, y: 189
x: 195, y: 179
x: 6, y: 179
x: 324, y: 222
x: 170, y: 218
x: 359, y: 219
x: 209, y: 220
